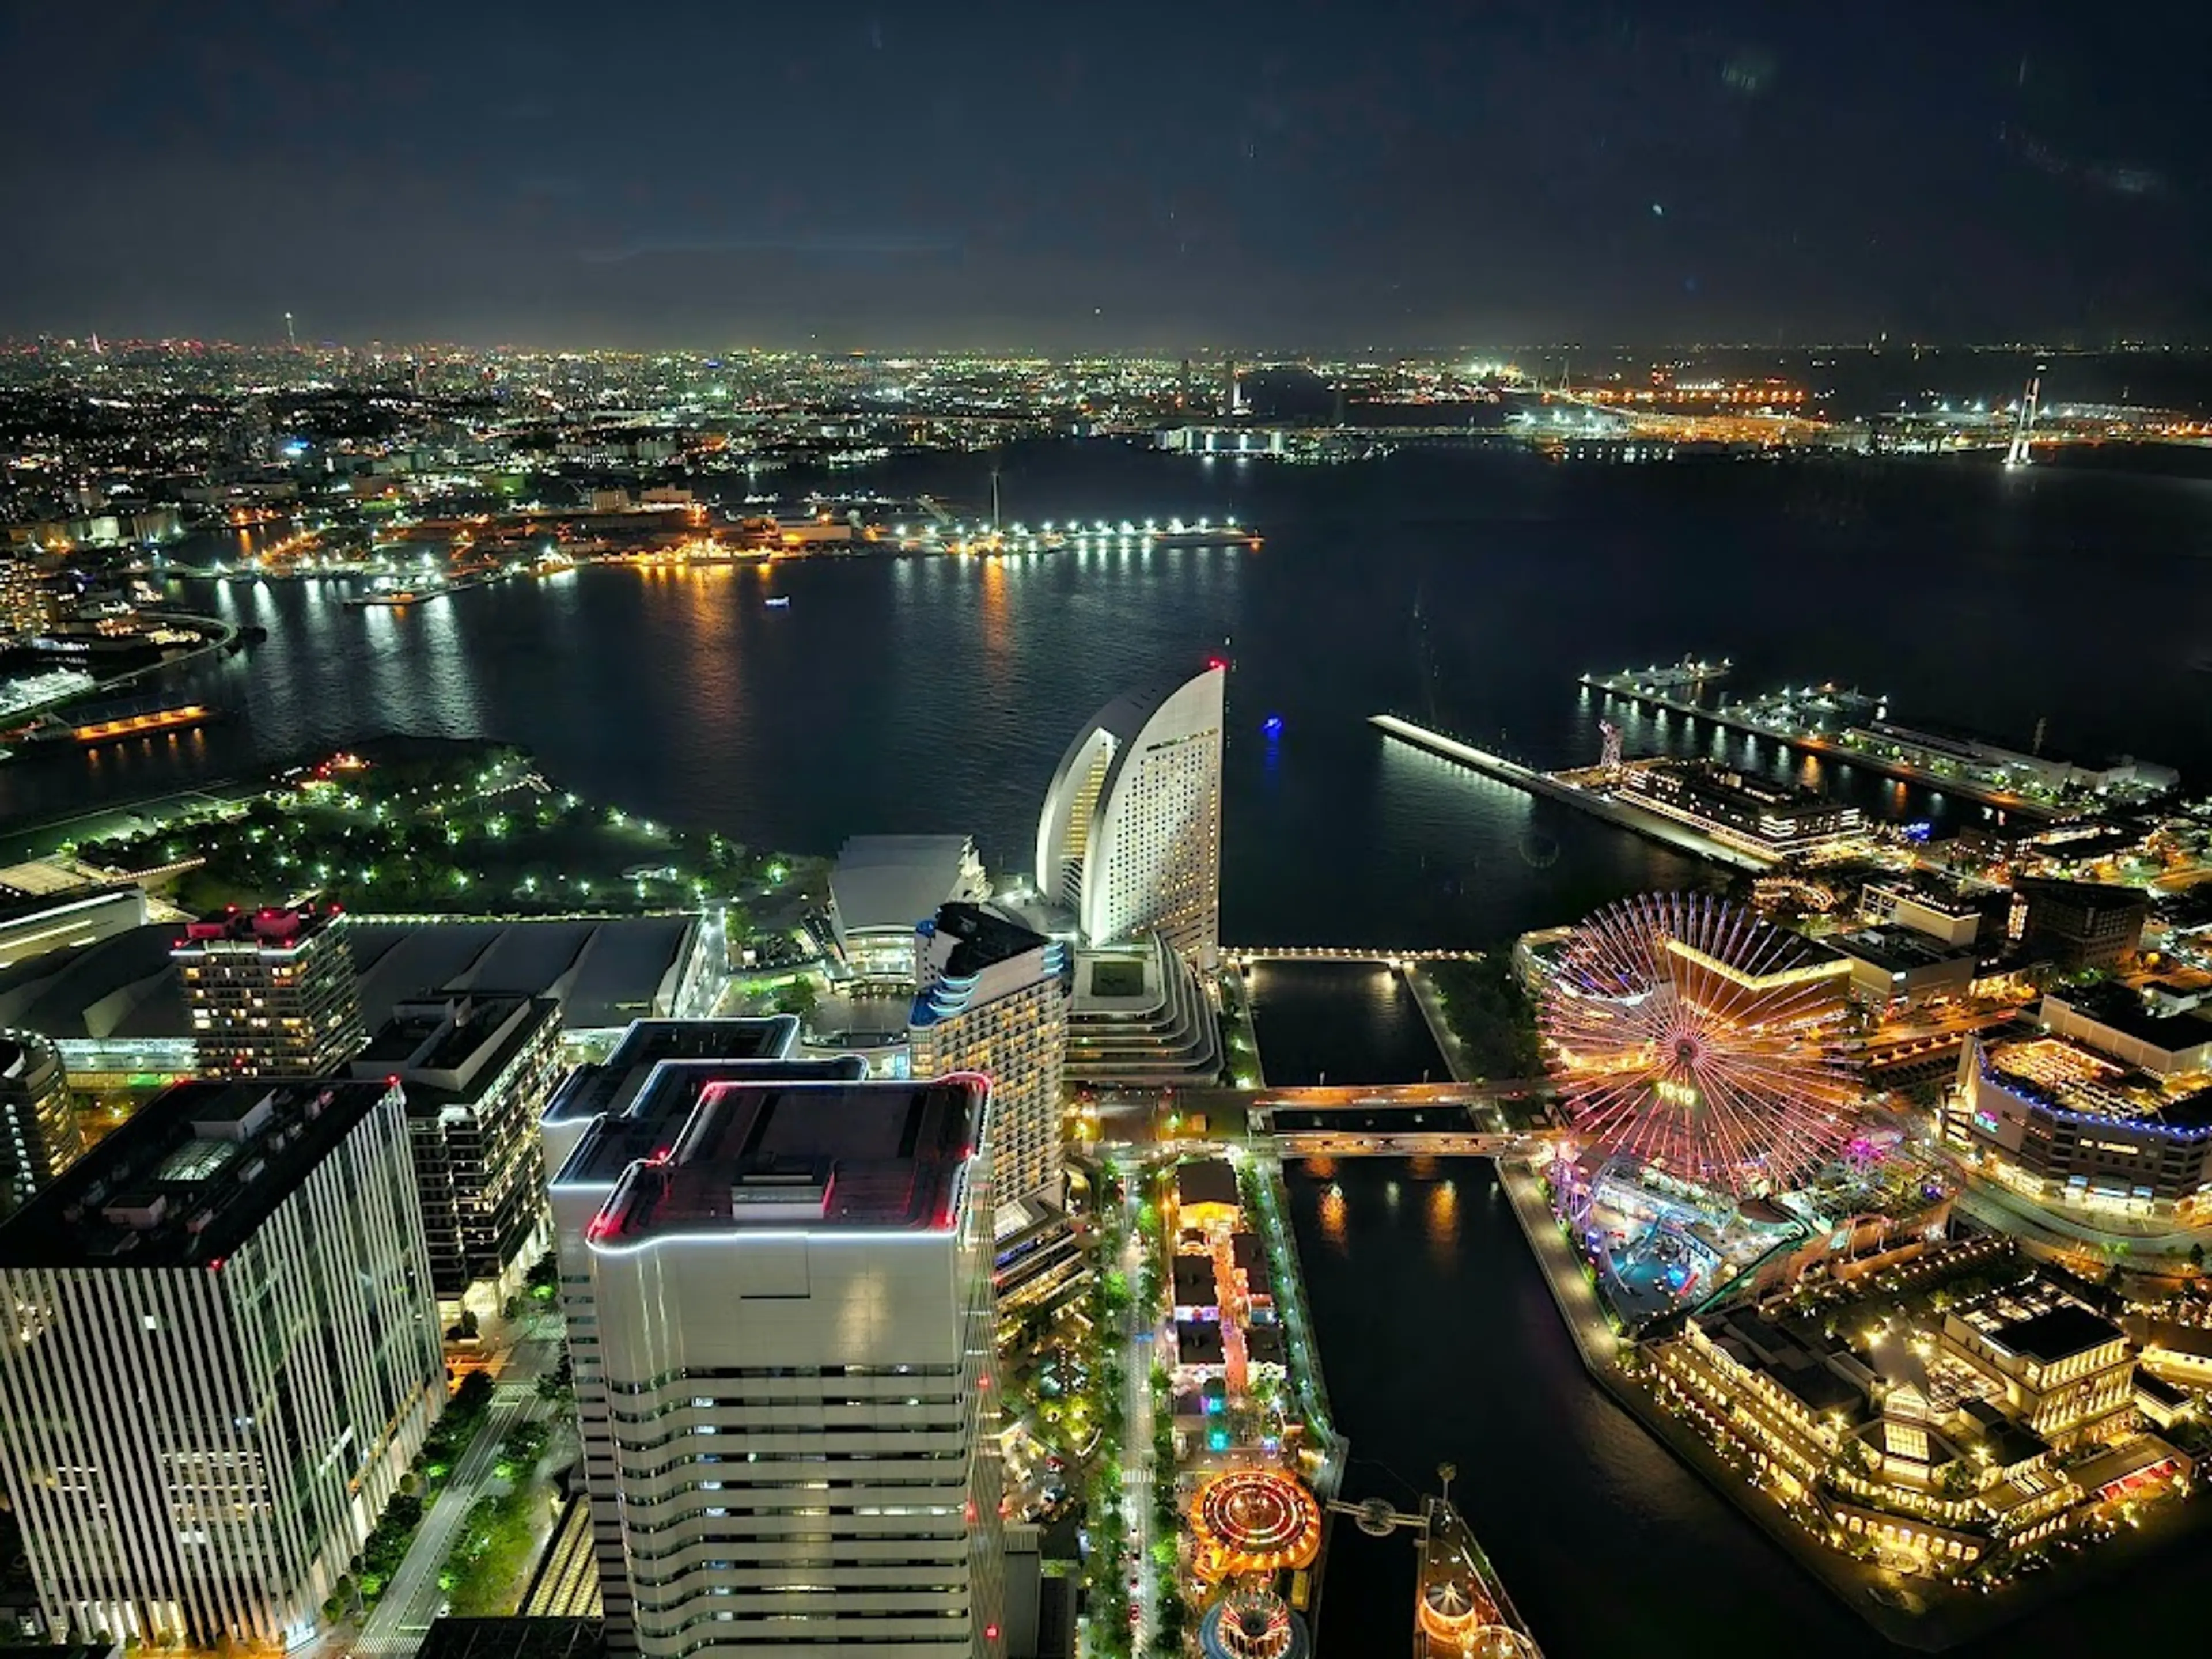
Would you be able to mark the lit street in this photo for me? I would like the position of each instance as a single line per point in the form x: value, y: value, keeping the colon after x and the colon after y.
x: 1136, y: 1472
x: 413, y: 1600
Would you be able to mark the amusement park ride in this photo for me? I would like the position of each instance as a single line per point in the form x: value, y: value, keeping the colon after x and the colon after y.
x: 1251, y: 1525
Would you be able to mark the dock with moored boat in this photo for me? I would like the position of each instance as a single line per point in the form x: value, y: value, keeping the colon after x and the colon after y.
x: 1680, y: 698
x: 1460, y: 1606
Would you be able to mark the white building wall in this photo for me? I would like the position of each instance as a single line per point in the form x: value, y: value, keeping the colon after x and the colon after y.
x: 1131, y: 830
x: 788, y: 1435
x: 197, y: 1452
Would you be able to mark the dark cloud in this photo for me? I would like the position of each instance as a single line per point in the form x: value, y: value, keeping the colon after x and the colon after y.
x: 1413, y: 171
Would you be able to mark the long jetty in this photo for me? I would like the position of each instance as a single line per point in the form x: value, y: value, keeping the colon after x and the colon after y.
x: 1679, y: 837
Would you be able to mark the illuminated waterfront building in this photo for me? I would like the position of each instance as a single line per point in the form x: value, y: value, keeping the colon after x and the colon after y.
x: 2066, y: 1371
x: 779, y: 1302
x: 2065, y: 1124
x: 476, y: 1071
x: 1130, y: 836
x: 1773, y: 819
x: 272, y: 993
x: 39, y: 1133
x: 994, y: 999
x: 885, y: 887
x: 1938, y: 1448
x: 224, y: 1356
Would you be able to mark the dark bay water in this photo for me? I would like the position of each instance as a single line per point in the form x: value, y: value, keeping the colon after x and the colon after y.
x: 1322, y: 1022
x: 909, y: 694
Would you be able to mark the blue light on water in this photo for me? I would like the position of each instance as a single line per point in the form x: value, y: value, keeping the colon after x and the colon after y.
x: 1272, y: 726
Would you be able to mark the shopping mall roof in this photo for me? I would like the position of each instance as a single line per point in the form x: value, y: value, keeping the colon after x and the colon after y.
x: 123, y: 985
x: 605, y: 971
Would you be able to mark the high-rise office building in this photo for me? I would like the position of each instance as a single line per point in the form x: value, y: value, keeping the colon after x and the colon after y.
x: 271, y: 995
x: 26, y: 607
x: 994, y: 999
x: 477, y: 1070
x: 39, y: 1133
x: 779, y: 1301
x: 221, y: 1355
x: 640, y: 1095
x: 1130, y: 836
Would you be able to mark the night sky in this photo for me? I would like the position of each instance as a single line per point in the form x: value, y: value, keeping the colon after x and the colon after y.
x: 1282, y: 176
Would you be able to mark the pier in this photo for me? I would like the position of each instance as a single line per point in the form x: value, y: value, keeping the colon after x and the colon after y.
x: 1632, y: 686
x: 1613, y: 810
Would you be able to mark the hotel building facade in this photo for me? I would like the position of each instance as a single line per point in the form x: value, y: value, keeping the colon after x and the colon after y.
x: 1130, y: 835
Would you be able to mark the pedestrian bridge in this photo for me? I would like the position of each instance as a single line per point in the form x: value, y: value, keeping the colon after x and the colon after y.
x: 1244, y: 955
x: 1405, y: 1142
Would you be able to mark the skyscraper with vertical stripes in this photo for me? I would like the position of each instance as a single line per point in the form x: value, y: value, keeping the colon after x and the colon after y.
x: 220, y: 1355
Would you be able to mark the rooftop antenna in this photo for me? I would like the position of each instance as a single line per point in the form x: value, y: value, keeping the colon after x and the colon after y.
x: 291, y: 337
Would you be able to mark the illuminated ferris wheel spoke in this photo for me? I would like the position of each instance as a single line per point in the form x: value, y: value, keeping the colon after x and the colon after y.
x: 1692, y: 1034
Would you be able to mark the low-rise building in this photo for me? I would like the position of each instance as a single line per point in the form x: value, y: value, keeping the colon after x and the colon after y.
x: 2067, y: 1372
x: 2172, y: 1038
x: 1774, y: 819
x: 1945, y: 911
x: 1895, y: 966
x: 1939, y: 1450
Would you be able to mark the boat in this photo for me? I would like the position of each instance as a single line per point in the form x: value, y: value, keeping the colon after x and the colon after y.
x: 111, y: 722
x: 779, y: 602
x: 1458, y: 1605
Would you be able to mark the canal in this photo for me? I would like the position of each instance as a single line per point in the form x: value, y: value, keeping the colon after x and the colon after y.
x: 1440, y: 1342
x: 1340, y: 1021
